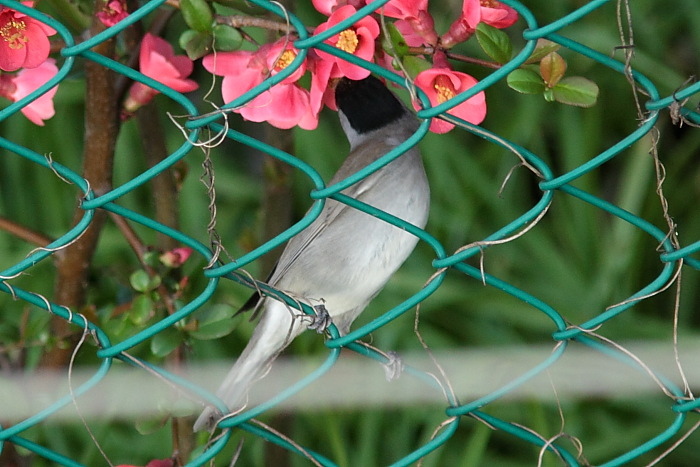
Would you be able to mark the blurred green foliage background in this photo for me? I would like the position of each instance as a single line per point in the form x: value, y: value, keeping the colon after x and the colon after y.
x: 578, y: 259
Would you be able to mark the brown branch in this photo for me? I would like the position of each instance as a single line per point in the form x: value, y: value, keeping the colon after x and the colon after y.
x: 165, y: 186
x: 475, y: 61
x: 24, y: 233
x: 101, y: 129
x: 132, y: 238
x: 242, y: 21
x: 140, y: 250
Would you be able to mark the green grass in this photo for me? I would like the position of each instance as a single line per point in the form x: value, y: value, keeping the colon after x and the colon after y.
x: 578, y: 259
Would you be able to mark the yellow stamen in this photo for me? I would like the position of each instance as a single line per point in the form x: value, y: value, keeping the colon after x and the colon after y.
x: 347, y: 41
x: 285, y: 59
x: 443, y: 87
x: 490, y: 3
x: 13, y: 33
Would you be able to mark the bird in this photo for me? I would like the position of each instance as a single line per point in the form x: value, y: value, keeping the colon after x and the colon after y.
x: 343, y: 259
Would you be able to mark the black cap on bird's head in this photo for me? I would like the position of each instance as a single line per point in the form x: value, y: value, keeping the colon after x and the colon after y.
x: 367, y: 104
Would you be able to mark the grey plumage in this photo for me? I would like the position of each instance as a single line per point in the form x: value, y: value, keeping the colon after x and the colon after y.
x: 344, y: 258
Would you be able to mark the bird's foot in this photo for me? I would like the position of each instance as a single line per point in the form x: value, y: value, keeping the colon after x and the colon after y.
x: 321, y: 320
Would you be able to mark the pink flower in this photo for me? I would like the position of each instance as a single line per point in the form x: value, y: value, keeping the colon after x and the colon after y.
x: 24, y: 41
x: 402, y: 9
x: 328, y: 6
x: 18, y: 86
x: 113, y: 12
x: 284, y: 105
x: 414, y: 21
x: 158, y: 61
x: 357, y: 40
x: 495, y: 13
x: 175, y: 257
x: 441, y: 85
x: 491, y: 12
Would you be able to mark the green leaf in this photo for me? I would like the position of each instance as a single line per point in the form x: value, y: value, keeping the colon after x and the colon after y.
x: 495, y: 42
x: 141, y: 310
x: 236, y: 7
x: 395, y: 43
x: 166, y: 341
x: 552, y: 69
x: 197, y: 14
x: 226, y: 38
x: 215, y: 322
x: 415, y: 65
x: 576, y: 90
x: 525, y: 81
x: 142, y: 282
x: 151, y: 258
x: 543, y: 48
x: 196, y: 44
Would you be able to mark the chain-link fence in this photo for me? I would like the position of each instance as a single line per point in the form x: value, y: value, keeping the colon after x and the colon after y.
x: 554, y: 186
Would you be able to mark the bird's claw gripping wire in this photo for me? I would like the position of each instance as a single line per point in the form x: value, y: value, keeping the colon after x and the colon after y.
x: 321, y: 320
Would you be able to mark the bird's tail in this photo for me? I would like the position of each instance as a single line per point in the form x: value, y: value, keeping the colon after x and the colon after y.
x: 277, y: 327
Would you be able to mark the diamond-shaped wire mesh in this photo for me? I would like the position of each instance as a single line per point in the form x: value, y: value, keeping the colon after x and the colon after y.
x: 556, y: 188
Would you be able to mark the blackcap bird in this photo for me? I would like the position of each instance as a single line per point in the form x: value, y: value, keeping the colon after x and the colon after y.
x: 343, y: 258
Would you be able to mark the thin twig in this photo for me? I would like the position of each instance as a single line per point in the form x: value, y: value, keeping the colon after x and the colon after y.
x: 24, y: 233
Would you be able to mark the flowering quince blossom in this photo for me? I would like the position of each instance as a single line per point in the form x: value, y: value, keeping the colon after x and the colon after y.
x: 17, y: 86
x: 414, y: 21
x: 158, y: 61
x: 285, y: 104
x: 491, y: 12
x: 24, y: 41
x: 441, y: 85
x: 357, y: 40
x: 113, y: 12
x: 494, y: 13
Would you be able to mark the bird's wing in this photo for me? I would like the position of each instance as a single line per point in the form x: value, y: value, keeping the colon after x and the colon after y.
x: 254, y: 300
x: 331, y: 212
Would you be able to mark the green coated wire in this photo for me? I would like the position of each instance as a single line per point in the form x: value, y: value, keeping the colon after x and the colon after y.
x: 553, y: 186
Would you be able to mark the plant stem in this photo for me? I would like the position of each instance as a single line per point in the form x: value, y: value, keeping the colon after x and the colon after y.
x: 25, y: 233
x: 101, y: 129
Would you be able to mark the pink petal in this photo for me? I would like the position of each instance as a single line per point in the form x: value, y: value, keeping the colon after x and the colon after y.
x: 403, y: 9
x: 38, y: 45
x: 501, y: 17
x: 320, y: 76
x: 27, y: 81
x: 283, y: 106
x: 12, y: 59
x: 412, y: 38
x: 324, y: 6
x: 232, y: 87
x: 471, y: 12
x: 182, y: 64
x: 158, y: 61
x: 228, y: 63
